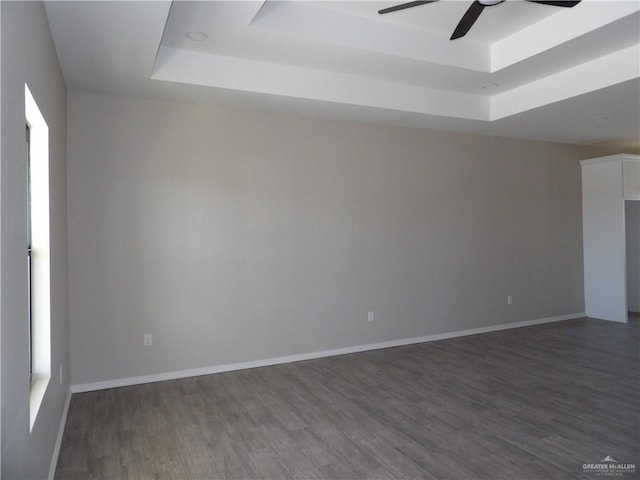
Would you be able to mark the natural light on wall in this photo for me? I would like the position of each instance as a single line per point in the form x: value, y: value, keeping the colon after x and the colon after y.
x: 40, y: 256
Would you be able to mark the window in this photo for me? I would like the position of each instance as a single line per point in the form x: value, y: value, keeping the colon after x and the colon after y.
x: 37, y: 251
x: 29, y: 248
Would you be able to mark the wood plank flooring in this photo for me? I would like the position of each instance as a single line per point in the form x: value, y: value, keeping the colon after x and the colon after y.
x: 530, y: 403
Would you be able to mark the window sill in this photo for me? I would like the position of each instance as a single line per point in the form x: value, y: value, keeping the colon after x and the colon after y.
x: 36, y: 395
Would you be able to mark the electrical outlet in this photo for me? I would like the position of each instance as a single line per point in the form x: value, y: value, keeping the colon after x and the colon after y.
x: 370, y: 317
x: 147, y: 340
x: 509, y: 300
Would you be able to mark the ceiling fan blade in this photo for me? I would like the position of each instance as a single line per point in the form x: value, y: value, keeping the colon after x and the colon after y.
x: 402, y: 6
x: 468, y: 19
x: 556, y: 3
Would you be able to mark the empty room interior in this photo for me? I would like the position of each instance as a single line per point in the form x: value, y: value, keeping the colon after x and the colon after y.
x: 320, y: 239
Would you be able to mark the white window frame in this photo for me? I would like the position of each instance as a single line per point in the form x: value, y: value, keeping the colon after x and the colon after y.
x: 40, y: 255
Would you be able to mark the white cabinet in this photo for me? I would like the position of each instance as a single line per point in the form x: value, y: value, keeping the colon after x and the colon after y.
x: 606, y: 183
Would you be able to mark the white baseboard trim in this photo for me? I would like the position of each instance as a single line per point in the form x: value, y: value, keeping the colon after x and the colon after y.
x: 160, y: 377
x: 634, y: 307
x: 58, y: 444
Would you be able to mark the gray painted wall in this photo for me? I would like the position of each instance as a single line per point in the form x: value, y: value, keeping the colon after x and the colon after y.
x: 0, y: 249
x: 632, y: 219
x: 28, y: 56
x: 235, y: 236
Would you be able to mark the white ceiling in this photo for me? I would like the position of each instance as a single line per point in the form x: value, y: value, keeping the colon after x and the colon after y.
x: 563, y: 74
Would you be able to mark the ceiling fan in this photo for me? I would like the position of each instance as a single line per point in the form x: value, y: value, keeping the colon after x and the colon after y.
x: 474, y: 11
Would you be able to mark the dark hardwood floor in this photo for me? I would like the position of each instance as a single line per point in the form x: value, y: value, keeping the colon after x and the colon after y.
x: 529, y: 403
